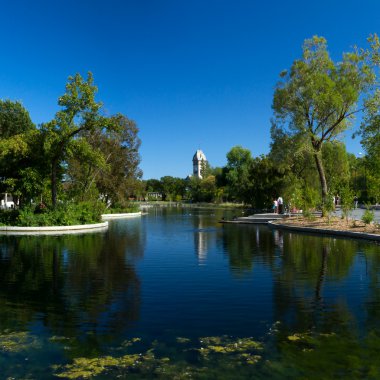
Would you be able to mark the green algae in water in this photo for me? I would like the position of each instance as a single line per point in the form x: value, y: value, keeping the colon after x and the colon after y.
x: 84, y: 368
x: 183, y: 340
x: 226, y: 345
x: 13, y: 342
x: 239, y: 352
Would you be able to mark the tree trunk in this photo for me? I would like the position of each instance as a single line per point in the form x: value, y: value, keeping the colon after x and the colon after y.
x: 322, y: 178
x: 54, y: 183
x: 322, y: 274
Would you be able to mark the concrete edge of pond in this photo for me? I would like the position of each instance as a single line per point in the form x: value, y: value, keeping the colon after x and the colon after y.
x: 53, y: 230
x: 356, y: 235
x: 121, y: 216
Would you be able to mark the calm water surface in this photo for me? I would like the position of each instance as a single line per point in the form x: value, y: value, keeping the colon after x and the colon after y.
x: 204, y: 300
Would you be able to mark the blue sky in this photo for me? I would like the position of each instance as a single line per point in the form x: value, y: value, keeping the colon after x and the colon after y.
x: 192, y: 74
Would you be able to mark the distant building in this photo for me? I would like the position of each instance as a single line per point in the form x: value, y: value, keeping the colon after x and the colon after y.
x: 154, y: 195
x: 199, y: 163
x: 6, y: 201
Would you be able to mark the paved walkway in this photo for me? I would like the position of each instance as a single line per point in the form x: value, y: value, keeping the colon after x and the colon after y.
x: 358, y: 213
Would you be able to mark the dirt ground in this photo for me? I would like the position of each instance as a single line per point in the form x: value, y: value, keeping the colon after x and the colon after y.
x: 334, y: 223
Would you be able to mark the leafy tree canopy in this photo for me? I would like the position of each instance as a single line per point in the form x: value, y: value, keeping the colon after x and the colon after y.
x: 316, y: 100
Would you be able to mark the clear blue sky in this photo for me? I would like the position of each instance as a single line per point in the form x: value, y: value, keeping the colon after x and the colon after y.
x: 192, y: 74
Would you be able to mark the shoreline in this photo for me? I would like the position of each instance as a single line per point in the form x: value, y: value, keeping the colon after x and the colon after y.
x: 53, y: 230
x: 323, y: 231
x: 64, y: 230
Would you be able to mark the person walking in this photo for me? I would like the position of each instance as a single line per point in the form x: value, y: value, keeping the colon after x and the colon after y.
x: 275, y: 206
x: 356, y: 202
x: 280, y: 204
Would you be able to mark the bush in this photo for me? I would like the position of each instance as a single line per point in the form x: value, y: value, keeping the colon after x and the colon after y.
x: 368, y: 216
x: 119, y: 208
x: 7, y: 217
x: 347, y: 197
x: 65, y: 214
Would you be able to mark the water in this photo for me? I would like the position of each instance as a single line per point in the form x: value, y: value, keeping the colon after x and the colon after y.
x: 276, y: 304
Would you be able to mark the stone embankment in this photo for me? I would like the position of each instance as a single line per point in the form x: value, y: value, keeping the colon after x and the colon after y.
x: 53, y: 230
x: 255, y: 219
x: 62, y: 230
x: 283, y: 221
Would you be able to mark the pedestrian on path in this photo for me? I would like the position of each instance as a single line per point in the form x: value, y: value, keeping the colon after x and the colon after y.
x: 275, y: 206
x: 280, y: 203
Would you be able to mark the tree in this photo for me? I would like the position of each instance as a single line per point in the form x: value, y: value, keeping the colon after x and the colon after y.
x: 111, y: 165
x: 317, y: 99
x: 14, y: 119
x: 80, y: 113
x: 370, y: 126
x: 239, y: 161
x: 265, y: 179
x: 21, y: 161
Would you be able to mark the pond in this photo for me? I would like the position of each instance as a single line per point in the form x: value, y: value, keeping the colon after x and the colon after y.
x: 176, y: 295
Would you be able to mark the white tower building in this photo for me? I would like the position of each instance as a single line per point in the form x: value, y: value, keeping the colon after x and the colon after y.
x: 199, y: 162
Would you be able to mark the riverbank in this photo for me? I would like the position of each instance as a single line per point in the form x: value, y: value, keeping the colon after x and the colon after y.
x: 333, y: 225
x: 54, y: 230
x: 63, y: 230
x: 205, y: 205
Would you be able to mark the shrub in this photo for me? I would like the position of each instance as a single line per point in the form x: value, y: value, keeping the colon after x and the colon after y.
x: 347, y: 202
x: 7, y: 217
x: 65, y: 214
x: 368, y: 216
x: 308, y: 215
x: 119, y: 208
x: 328, y: 207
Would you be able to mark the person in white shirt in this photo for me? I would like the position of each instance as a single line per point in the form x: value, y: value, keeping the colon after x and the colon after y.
x: 275, y: 206
x: 280, y: 203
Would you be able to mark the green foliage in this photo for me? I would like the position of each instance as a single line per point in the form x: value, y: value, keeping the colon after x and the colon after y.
x: 202, y: 189
x: 336, y: 164
x: 21, y: 163
x: 368, y: 216
x: 8, y: 217
x: 80, y: 112
x: 170, y: 187
x: 328, y: 206
x: 14, y: 119
x: 108, y: 163
x: 95, y: 155
x: 239, y: 161
x: 347, y: 201
x: 316, y: 99
x: 123, y: 207
x: 65, y: 214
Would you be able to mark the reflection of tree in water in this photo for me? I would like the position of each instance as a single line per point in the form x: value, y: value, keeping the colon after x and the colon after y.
x: 78, y: 284
x: 246, y: 243
x: 307, y: 263
x: 370, y: 253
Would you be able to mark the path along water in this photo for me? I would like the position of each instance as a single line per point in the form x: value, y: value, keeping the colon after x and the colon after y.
x: 358, y: 213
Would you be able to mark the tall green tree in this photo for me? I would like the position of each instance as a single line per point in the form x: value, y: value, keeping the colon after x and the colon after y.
x: 21, y: 161
x: 370, y: 126
x: 14, y: 119
x: 316, y: 100
x: 79, y: 113
x: 109, y: 163
x: 239, y: 162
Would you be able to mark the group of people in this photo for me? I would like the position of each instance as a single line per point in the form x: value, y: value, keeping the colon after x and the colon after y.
x: 278, y: 205
x: 337, y: 201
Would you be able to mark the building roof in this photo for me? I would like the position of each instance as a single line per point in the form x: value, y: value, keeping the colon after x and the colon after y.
x: 199, y: 156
